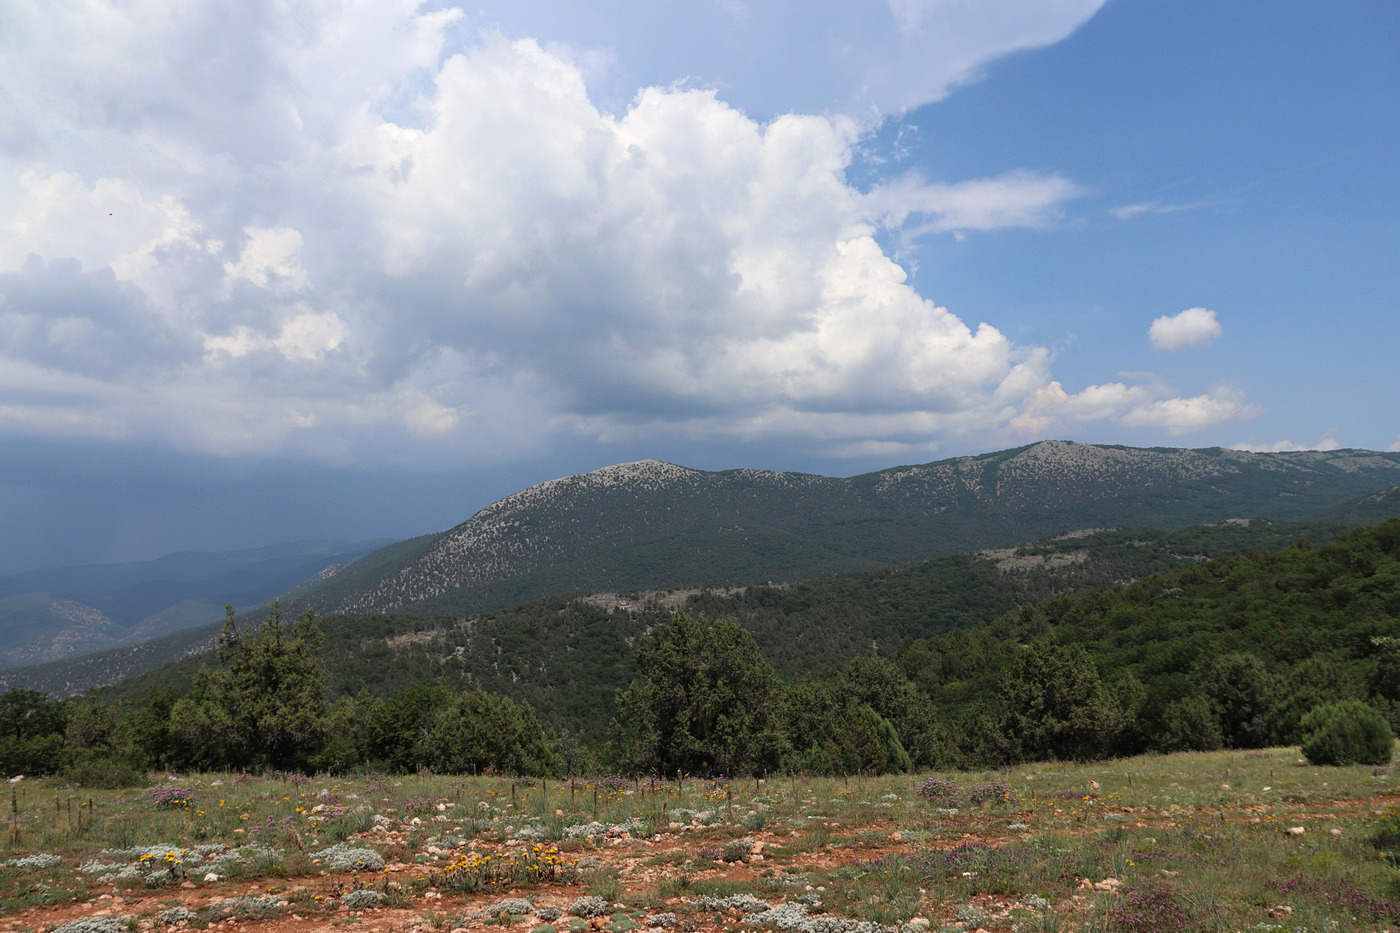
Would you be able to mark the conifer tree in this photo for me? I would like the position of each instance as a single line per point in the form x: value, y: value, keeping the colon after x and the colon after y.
x: 265, y: 705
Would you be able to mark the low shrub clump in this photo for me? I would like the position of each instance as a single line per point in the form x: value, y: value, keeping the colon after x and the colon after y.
x: 1349, y: 732
x: 988, y: 792
x: 509, y: 906
x: 588, y: 907
x: 359, y: 900
x: 950, y: 795
x: 472, y: 871
x: 170, y: 797
x: 40, y: 861
x: 341, y: 857
x: 94, y: 925
x: 941, y: 793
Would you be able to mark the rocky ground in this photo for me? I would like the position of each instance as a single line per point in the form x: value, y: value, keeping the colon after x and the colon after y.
x: 1190, y: 842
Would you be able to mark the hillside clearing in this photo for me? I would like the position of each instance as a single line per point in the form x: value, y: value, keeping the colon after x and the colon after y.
x: 1206, y: 841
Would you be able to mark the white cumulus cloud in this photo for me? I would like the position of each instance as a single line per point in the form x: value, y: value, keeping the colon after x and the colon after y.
x: 1184, y: 415
x: 269, y: 257
x: 1146, y: 405
x: 1194, y: 327
x: 1327, y: 442
x: 329, y: 231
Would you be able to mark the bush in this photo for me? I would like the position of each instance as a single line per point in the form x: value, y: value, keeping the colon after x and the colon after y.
x: 360, y: 899
x: 1349, y: 732
x: 588, y: 907
x: 103, y: 773
x: 341, y: 857
x: 93, y: 925
x: 43, y: 860
x: 941, y: 793
x: 170, y: 797
x: 994, y: 791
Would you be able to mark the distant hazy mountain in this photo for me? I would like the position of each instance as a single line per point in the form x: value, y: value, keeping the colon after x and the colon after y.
x: 652, y: 524
x: 48, y: 615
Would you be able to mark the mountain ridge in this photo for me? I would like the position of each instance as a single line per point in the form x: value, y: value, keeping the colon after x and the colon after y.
x: 579, y: 532
x: 649, y: 525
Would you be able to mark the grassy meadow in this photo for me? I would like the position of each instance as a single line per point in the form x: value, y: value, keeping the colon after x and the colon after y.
x: 1196, y: 841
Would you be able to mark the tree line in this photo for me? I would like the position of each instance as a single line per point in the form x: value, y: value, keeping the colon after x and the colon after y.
x: 1234, y: 652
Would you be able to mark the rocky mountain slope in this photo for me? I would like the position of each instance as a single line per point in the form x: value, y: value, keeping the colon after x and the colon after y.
x: 649, y: 524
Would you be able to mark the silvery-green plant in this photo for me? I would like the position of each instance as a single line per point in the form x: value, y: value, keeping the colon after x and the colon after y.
x: 517, y: 906
x: 42, y: 860
x: 359, y: 900
x: 743, y: 902
x: 588, y: 907
x: 341, y: 857
x: 94, y: 925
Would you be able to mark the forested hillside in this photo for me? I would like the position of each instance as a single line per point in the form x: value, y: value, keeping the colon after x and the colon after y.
x: 652, y: 525
x: 568, y: 655
x: 1233, y: 651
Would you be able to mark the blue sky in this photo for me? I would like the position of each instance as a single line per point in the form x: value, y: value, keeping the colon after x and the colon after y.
x: 356, y: 269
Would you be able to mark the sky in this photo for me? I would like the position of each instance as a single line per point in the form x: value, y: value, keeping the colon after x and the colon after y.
x: 350, y: 269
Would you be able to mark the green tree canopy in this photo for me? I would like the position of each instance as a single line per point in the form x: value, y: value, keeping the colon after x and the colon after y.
x: 1242, y: 691
x: 476, y: 730
x: 265, y: 705
x: 31, y: 732
x: 1057, y: 706
x: 706, y: 703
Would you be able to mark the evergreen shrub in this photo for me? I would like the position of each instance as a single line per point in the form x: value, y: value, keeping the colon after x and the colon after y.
x: 1348, y: 732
